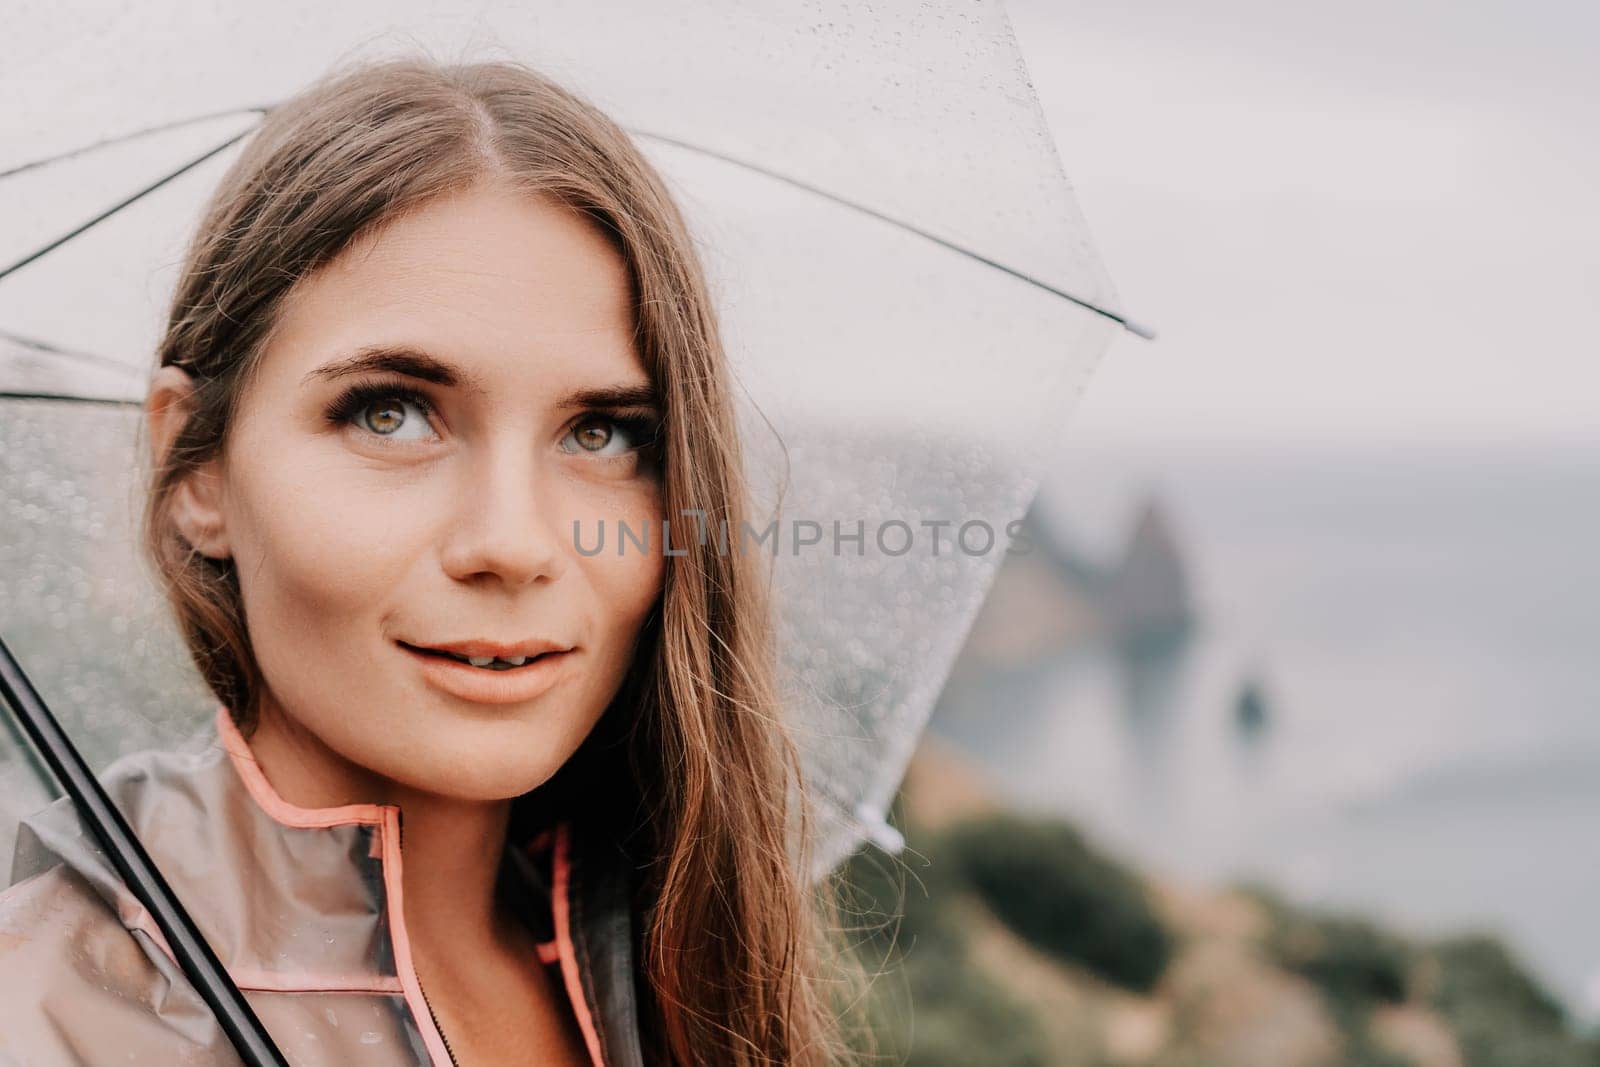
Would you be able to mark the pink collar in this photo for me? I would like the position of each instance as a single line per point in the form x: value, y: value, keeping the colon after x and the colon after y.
x: 385, y: 820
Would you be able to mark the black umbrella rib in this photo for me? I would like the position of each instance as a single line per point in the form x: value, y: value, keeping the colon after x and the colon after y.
x: 72, y: 398
x: 113, y: 209
x: 193, y: 120
x: 67, y: 353
x: 131, y: 135
x: 194, y: 955
x: 1128, y: 324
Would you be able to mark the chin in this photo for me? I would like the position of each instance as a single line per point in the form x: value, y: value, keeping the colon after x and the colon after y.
x: 479, y: 773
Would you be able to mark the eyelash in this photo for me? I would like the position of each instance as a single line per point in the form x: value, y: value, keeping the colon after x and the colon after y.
x: 643, y: 428
x: 358, y: 398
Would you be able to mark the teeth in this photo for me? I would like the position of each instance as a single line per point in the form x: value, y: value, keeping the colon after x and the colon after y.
x: 490, y: 662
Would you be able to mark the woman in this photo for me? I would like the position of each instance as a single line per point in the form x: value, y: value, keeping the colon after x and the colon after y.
x: 440, y: 390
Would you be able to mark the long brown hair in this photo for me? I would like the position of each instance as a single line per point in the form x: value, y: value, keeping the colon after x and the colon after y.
x: 735, y: 942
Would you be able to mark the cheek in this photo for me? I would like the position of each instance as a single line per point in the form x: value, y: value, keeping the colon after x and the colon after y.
x: 624, y: 589
x: 316, y: 549
x: 628, y: 585
x: 625, y: 579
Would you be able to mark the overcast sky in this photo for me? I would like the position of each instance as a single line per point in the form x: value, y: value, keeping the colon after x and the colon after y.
x: 1356, y: 221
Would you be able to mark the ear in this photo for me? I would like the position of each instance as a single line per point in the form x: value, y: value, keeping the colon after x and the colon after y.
x: 197, y: 501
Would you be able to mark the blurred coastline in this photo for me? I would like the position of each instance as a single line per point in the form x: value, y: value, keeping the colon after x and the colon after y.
x: 1018, y: 939
x: 1361, y: 677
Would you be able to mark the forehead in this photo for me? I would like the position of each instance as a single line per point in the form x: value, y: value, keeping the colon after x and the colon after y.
x: 502, y: 283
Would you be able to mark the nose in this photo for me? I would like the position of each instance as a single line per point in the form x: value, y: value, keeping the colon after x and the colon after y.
x: 505, y: 524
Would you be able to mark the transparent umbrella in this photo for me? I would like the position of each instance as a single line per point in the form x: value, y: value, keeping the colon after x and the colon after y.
x: 910, y: 298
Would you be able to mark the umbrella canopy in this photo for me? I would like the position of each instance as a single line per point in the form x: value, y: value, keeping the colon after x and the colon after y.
x: 910, y: 299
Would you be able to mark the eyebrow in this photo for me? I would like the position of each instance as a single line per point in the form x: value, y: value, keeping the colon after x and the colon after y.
x: 412, y: 362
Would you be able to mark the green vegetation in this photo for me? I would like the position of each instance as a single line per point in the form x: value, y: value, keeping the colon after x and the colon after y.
x: 915, y: 936
x: 1044, y: 881
x: 1355, y: 963
x: 1501, y: 1016
x: 1071, y: 918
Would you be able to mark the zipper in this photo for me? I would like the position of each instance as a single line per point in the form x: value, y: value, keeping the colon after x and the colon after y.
x: 400, y: 842
x: 442, y: 1036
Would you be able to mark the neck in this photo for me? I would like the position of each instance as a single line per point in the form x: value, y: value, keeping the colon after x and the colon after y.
x: 453, y: 847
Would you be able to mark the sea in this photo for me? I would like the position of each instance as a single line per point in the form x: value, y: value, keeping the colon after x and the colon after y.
x: 1422, y: 624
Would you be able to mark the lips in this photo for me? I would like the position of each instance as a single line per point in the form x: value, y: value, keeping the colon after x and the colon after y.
x: 493, y: 684
x: 507, y: 662
x: 486, y: 649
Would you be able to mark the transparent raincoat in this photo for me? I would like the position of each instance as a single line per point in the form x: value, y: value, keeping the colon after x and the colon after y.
x: 302, y: 905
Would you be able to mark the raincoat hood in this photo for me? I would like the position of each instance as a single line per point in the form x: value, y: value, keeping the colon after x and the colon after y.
x: 303, y: 906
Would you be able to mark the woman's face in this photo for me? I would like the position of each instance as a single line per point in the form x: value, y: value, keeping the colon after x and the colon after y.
x: 437, y: 508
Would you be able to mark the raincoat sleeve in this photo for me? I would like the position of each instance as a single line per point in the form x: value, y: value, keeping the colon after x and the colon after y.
x: 86, y: 981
